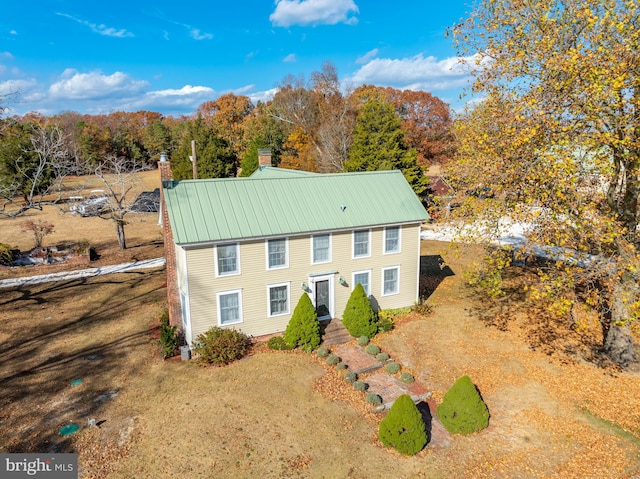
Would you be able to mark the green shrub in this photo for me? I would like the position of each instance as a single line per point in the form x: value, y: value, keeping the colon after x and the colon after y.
x: 350, y: 377
x: 164, y: 317
x: 323, y: 352
x: 392, y: 367
x: 360, y: 386
x: 384, y: 324
x: 303, y: 330
x: 407, y: 378
x: 341, y: 366
x: 221, y: 346
x: 462, y: 410
x: 372, y: 349
x: 333, y: 359
x: 168, y: 340
x: 385, y: 321
x: 6, y: 254
x: 278, y: 343
x: 382, y: 357
x: 358, y: 317
x: 363, y: 341
x: 373, y: 398
x: 403, y: 427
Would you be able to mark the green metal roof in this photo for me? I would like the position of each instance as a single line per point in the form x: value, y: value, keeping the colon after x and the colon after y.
x: 278, y: 202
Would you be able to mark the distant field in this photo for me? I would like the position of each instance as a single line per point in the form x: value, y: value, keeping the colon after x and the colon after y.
x: 142, y: 232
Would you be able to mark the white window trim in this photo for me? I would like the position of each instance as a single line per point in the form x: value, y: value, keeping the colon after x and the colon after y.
x: 397, y: 291
x: 286, y: 253
x: 353, y: 279
x: 384, y: 241
x: 215, y: 254
x: 276, y: 285
x: 353, y: 244
x: 224, y: 293
x: 330, y: 248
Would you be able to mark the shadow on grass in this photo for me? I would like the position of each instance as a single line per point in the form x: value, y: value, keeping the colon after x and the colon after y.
x: 57, y: 332
x: 544, y: 331
x: 433, y: 271
x: 427, y: 417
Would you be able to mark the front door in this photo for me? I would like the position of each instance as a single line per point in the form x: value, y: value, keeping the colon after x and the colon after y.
x: 323, y: 299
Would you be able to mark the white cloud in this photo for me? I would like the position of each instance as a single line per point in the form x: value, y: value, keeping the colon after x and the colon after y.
x: 198, y: 35
x: 100, y: 29
x: 13, y: 32
x: 21, y: 86
x: 194, y: 32
x: 415, y: 73
x: 170, y: 101
x: 314, y: 12
x: 186, y: 90
x: 263, y: 96
x: 91, y: 86
x: 367, y: 56
x: 290, y: 58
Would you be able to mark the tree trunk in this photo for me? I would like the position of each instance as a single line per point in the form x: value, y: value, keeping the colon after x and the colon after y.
x: 618, y: 339
x: 120, y: 233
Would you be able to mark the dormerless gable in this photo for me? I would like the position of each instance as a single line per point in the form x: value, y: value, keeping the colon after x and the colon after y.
x: 278, y: 202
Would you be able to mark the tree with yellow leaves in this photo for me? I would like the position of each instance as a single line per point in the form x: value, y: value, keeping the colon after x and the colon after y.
x: 556, y: 137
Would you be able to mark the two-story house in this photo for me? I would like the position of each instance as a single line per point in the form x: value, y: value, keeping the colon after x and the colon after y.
x: 245, y: 249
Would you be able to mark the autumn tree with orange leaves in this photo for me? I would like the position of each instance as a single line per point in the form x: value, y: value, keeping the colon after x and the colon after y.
x: 556, y: 137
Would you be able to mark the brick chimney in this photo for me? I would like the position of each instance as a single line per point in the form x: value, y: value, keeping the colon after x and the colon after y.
x: 173, y: 296
x: 264, y: 158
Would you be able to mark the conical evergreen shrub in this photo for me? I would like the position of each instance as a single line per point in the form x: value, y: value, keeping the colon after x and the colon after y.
x: 358, y: 317
x: 462, y: 410
x: 303, y: 330
x: 403, y: 427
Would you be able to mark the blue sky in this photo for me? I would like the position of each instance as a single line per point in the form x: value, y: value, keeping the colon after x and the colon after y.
x: 168, y: 56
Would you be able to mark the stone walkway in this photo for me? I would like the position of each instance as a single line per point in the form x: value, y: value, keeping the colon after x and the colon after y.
x: 389, y: 388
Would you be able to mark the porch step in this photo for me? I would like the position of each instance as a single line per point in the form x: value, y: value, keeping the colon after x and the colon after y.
x: 333, y: 332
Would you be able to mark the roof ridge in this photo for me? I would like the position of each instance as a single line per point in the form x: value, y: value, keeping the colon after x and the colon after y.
x: 300, y: 177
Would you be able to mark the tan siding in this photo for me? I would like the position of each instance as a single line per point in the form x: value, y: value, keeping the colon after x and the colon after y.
x: 255, y: 278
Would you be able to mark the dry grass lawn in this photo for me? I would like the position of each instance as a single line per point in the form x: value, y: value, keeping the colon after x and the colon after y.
x: 554, y: 411
x: 143, y: 235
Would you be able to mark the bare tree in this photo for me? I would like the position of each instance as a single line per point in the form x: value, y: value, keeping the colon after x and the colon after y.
x: 33, y: 172
x: 119, y: 176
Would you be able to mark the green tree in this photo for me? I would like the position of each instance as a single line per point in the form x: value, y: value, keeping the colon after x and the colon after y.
x: 262, y: 130
x: 378, y: 144
x: 303, y: 329
x: 403, y: 427
x: 214, y: 157
x: 358, y: 317
x: 462, y: 410
x: 157, y: 138
x: 557, y: 137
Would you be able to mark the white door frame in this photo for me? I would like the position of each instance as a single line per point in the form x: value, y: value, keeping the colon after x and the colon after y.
x: 312, y: 285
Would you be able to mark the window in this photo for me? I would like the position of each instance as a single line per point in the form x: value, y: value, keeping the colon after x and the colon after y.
x: 277, y: 253
x: 321, y: 245
x: 361, y: 243
x: 278, y: 299
x: 229, y: 307
x: 227, y: 259
x: 392, y: 239
x: 390, y: 280
x: 362, y: 277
